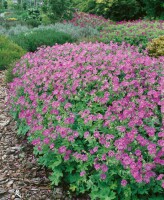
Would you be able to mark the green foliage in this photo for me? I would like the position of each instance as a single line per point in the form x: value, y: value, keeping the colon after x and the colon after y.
x: 9, y: 52
x: 85, y: 6
x: 45, y: 19
x: 9, y: 76
x: 124, y: 10
x: 156, y: 47
x: 24, y: 5
x: 5, y: 4
x: 33, y: 22
x: 34, y: 39
x: 113, y: 9
x: 33, y: 18
x: 154, y: 8
x: 135, y: 33
x: 60, y: 9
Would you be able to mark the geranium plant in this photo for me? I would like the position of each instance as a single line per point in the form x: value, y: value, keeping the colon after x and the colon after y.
x: 94, y: 113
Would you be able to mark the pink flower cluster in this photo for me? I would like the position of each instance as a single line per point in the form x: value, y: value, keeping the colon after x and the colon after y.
x: 85, y: 19
x: 106, y: 98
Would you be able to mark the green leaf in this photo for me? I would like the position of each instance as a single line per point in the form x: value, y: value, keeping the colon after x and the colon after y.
x: 156, y: 198
x: 56, y: 176
x: 56, y: 162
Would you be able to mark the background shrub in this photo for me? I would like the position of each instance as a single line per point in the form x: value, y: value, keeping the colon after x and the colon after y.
x: 123, y: 9
x: 2, y: 30
x: 9, y: 52
x: 156, y: 47
x: 33, y: 17
x: 60, y: 9
x: 94, y: 114
x: 45, y: 19
x: 15, y: 30
x: 75, y: 31
x: 34, y: 39
x: 88, y: 6
x: 154, y: 9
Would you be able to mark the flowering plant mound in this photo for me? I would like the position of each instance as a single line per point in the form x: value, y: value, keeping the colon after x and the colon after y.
x: 84, y: 20
x: 94, y: 113
x: 133, y: 32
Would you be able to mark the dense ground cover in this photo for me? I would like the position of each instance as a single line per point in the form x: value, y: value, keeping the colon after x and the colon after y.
x: 93, y: 111
x: 94, y: 114
x: 137, y: 33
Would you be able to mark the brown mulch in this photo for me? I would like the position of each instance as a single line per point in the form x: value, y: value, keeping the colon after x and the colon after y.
x: 20, y: 175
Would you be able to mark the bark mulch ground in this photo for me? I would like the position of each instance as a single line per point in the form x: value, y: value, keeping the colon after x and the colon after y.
x: 20, y: 176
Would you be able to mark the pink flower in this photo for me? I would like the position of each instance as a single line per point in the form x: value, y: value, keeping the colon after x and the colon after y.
x: 39, y: 148
x: 36, y: 141
x: 109, y: 136
x: 104, y: 168
x: 86, y: 134
x: 82, y: 173
x: 138, y: 152
x: 96, y: 134
x: 97, y: 166
x: 84, y: 157
x: 161, y: 143
x: 67, y: 105
x: 103, y: 176
x: 66, y: 157
x: 52, y: 146
x: 69, y: 120
x: 46, y: 140
x: 160, y: 177
x: 62, y: 149
x: 95, y: 149
x: 121, y: 128
x: 46, y: 132
x: 55, y: 112
x: 162, y: 184
x: 111, y: 153
x: 161, y: 134
x: 151, y: 148
x: 123, y: 183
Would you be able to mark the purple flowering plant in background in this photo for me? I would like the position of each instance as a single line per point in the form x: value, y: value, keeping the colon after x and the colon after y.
x: 84, y: 19
x: 138, y: 32
x: 94, y: 113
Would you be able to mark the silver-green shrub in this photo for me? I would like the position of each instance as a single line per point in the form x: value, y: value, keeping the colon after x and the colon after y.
x: 15, y: 30
x: 2, y: 30
x: 75, y: 31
